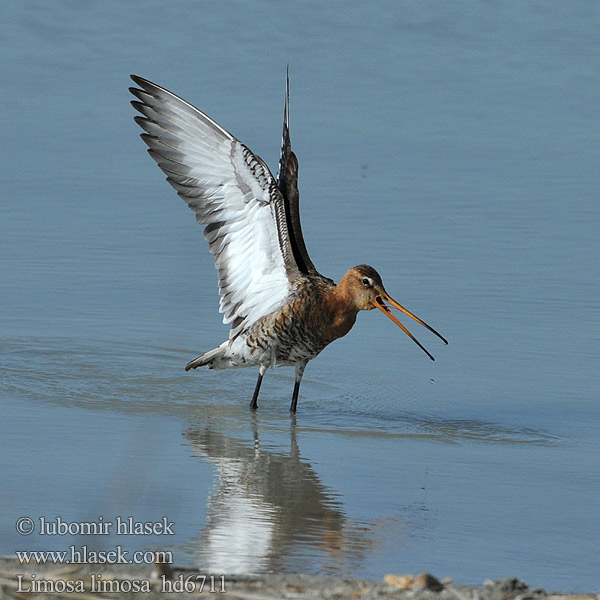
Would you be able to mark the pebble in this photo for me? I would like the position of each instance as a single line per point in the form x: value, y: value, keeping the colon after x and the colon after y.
x: 423, y: 581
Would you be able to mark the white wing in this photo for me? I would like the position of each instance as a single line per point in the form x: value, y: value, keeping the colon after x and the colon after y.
x: 232, y: 192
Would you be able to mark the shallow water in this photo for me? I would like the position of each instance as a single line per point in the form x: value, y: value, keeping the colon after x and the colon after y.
x: 453, y: 147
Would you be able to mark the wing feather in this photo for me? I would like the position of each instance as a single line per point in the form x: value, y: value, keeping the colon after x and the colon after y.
x: 288, y: 184
x: 232, y: 193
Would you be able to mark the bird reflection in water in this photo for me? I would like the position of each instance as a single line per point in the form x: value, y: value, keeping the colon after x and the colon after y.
x: 270, y: 510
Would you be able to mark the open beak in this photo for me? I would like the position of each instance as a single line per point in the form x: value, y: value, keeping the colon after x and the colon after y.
x: 380, y: 303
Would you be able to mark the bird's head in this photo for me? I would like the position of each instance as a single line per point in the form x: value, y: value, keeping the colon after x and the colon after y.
x: 366, y: 292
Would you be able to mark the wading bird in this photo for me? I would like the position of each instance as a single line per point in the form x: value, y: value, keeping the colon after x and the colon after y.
x: 281, y: 309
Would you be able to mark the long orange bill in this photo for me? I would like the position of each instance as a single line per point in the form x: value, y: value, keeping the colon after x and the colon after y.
x: 380, y: 304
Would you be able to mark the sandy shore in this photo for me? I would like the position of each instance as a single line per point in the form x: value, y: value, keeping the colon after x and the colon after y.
x: 97, y: 582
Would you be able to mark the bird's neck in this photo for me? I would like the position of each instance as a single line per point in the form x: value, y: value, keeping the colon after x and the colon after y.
x: 342, y: 309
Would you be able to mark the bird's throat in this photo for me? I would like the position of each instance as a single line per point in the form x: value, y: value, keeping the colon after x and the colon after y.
x: 342, y: 311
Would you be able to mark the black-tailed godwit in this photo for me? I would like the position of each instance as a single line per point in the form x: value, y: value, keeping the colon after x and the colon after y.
x: 281, y: 309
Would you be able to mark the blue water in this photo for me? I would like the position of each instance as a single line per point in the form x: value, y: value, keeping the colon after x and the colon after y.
x: 454, y: 146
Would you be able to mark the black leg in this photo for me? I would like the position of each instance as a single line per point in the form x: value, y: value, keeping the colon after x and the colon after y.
x: 254, y: 402
x: 299, y: 372
x: 295, y: 397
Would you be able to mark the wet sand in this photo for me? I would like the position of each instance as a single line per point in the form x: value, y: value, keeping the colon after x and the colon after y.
x: 88, y: 582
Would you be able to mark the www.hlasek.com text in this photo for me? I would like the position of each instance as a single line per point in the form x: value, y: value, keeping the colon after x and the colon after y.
x: 78, y: 555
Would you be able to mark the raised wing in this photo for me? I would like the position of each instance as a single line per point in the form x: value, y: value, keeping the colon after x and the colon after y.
x: 288, y: 184
x: 232, y: 192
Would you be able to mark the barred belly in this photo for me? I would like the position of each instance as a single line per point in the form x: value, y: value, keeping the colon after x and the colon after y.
x: 295, y: 333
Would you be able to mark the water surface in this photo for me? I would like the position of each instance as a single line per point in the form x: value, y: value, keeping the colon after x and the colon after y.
x: 454, y: 147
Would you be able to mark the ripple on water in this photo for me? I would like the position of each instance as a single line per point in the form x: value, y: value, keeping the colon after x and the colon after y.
x: 127, y: 377
x: 99, y: 374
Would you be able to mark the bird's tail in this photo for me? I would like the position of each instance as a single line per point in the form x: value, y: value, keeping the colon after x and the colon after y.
x: 212, y: 359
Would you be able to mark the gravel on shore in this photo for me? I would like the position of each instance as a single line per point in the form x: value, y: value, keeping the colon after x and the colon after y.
x: 103, y: 582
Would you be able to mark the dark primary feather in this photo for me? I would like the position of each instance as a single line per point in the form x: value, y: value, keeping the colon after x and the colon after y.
x: 288, y: 184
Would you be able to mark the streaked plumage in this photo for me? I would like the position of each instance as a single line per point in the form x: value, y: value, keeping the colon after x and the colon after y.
x: 282, y: 311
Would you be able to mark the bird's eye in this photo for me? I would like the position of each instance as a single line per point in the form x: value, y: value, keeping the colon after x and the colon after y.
x: 366, y: 281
